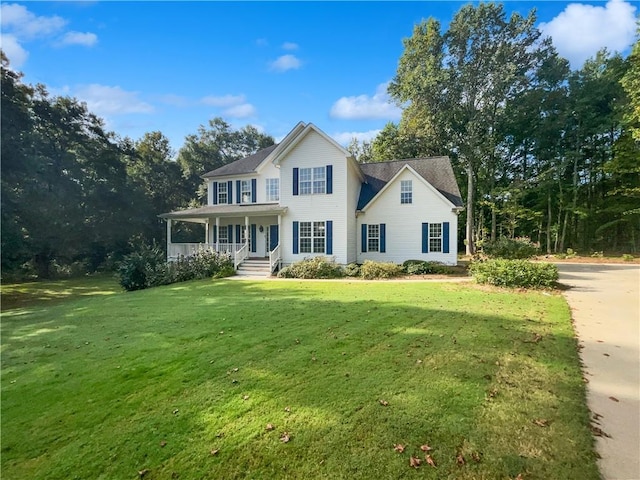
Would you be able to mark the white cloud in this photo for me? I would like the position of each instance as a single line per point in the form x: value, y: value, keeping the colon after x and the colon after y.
x: 580, y: 30
x: 290, y: 46
x: 13, y: 50
x: 78, y: 38
x: 223, y: 101
x: 343, y: 138
x: 243, y: 110
x: 364, y: 107
x: 26, y: 25
x: 107, y: 100
x: 286, y: 62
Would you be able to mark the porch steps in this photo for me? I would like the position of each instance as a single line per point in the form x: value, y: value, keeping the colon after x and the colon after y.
x: 254, y: 267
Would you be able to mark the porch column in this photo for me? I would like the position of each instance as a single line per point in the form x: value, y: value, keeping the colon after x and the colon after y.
x: 169, y: 237
x: 246, y: 229
x: 206, y: 232
x: 217, y: 232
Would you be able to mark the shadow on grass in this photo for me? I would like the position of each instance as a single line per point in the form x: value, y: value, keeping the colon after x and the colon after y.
x: 207, y: 365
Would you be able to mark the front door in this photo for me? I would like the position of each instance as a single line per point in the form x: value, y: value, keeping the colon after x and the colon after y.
x: 273, y: 237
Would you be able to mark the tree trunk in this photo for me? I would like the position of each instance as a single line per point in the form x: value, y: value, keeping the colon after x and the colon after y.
x: 549, y: 223
x: 493, y: 223
x: 470, y: 250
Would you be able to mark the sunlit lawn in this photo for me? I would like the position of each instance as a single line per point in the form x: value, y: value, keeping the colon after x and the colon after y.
x: 153, y: 381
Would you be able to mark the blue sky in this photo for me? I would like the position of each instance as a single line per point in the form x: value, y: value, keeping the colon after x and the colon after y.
x: 172, y: 66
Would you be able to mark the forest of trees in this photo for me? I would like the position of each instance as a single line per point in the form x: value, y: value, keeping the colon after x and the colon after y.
x: 539, y: 151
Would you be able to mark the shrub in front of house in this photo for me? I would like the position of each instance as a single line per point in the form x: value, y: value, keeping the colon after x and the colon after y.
x: 511, y: 248
x: 371, y: 270
x: 422, y: 267
x: 514, y: 273
x: 352, y: 270
x: 314, y: 267
x: 147, y: 267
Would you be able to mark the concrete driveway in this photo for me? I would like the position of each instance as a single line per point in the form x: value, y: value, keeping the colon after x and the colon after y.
x: 605, y: 305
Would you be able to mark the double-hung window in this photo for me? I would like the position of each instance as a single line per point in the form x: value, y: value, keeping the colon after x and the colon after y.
x: 435, y: 237
x: 223, y: 235
x: 313, y: 180
x: 373, y: 238
x: 222, y: 193
x: 312, y: 237
x: 273, y: 189
x: 245, y: 191
x: 406, y: 191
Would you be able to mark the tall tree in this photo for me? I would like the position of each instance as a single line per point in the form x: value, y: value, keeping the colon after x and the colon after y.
x: 457, y: 83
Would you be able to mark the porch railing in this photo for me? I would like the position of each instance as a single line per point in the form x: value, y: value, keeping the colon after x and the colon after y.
x: 274, y: 258
x: 177, y: 250
x: 240, y: 255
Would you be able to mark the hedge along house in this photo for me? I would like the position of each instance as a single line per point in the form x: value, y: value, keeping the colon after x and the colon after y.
x: 307, y: 196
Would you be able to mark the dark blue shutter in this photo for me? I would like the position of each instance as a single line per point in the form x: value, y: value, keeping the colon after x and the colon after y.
x: 230, y: 193
x: 230, y: 233
x: 238, y: 236
x: 329, y: 235
x: 295, y: 237
x: 215, y: 234
x: 445, y: 237
x: 329, y: 178
x: 238, y: 199
x: 383, y: 240
x: 295, y: 181
x: 254, y: 188
x: 253, y: 237
x: 215, y: 193
x: 425, y: 238
x: 364, y: 238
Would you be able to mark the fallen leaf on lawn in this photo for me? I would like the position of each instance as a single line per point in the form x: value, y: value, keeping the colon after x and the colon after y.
x: 219, y: 434
x: 541, y: 422
x: 163, y: 443
x: 175, y: 412
x: 398, y: 447
x: 460, y: 459
x: 598, y: 432
x: 429, y: 460
x: 476, y: 457
x: 614, y: 399
x: 269, y: 427
x: 606, y: 354
x: 245, y: 397
x: 425, y: 448
x: 284, y: 438
x: 214, y: 451
x: 384, y: 403
x: 287, y: 409
x: 414, y: 462
x: 142, y: 473
x: 519, y: 477
x: 537, y: 337
x: 236, y: 369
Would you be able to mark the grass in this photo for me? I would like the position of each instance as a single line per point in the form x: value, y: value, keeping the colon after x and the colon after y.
x: 106, y: 386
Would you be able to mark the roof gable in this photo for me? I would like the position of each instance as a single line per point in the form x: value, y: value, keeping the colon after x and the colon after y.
x: 436, y: 171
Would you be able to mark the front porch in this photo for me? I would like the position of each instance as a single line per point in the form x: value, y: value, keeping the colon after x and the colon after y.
x: 243, y: 231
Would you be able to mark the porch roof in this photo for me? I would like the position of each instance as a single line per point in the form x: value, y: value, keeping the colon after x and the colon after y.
x: 201, y: 214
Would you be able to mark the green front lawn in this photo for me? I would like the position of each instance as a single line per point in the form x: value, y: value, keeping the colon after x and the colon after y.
x: 155, y: 381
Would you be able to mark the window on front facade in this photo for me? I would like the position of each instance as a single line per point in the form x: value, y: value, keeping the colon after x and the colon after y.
x: 313, y: 180
x: 243, y: 234
x: 222, y: 192
x: 223, y: 235
x: 406, y: 191
x: 435, y: 237
x: 273, y: 189
x: 373, y: 238
x: 312, y: 237
x: 245, y: 191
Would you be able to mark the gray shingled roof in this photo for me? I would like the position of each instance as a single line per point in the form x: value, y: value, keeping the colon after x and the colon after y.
x: 435, y: 170
x: 244, y: 165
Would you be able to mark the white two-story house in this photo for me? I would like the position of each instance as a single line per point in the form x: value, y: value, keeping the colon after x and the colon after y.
x: 307, y: 196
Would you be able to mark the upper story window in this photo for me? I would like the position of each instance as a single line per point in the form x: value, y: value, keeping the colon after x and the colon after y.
x: 406, y: 191
x: 313, y: 180
x: 273, y: 189
x: 222, y: 192
x: 435, y: 237
x: 245, y: 191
